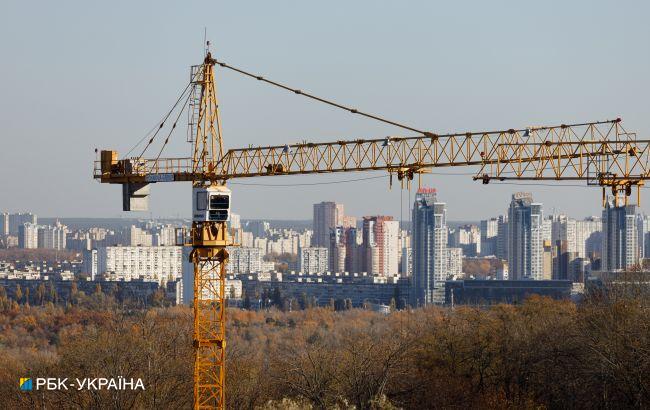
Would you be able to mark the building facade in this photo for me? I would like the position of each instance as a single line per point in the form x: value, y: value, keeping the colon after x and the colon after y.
x: 620, y: 237
x: 244, y: 260
x: 380, y: 245
x: 148, y: 263
x: 313, y: 260
x: 327, y: 215
x: 429, y: 246
x: 28, y: 236
x: 525, y: 238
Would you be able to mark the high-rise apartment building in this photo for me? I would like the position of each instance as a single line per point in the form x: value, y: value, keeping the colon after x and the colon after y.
x: 244, y: 260
x: 525, y: 238
x: 11, y: 223
x: 259, y: 229
x: 312, y: 260
x: 563, y: 246
x: 620, y: 237
x: 52, y: 237
x: 135, y: 236
x: 489, y: 236
x: 429, y: 244
x: 643, y: 235
x: 327, y: 215
x: 149, y: 263
x: 502, y: 237
x: 454, y: 262
x: 164, y: 235
x: 337, y: 249
x: 4, y: 223
x: 467, y: 237
x: 28, y: 236
x: 407, y: 262
x: 588, y: 236
x: 380, y: 247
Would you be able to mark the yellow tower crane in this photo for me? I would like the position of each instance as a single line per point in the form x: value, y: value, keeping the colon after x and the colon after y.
x: 599, y: 153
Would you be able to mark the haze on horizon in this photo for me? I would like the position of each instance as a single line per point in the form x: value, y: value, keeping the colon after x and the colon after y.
x: 80, y: 76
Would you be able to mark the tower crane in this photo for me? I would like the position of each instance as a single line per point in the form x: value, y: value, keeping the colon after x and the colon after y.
x: 599, y: 153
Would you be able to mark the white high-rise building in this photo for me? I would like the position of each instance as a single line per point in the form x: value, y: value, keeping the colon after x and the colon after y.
x: 454, y: 262
x: 244, y: 260
x: 620, y: 237
x: 28, y: 236
x: 149, y: 263
x: 380, y: 247
x: 502, y: 237
x: 15, y: 221
x: 526, y: 232
x: 587, y: 231
x: 52, y: 237
x: 90, y: 263
x: 135, y: 236
x: 563, y: 229
x: 313, y: 260
x: 643, y: 235
x: 429, y: 244
x: 164, y: 236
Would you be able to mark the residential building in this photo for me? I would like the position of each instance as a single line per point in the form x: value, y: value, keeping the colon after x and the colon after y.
x: 15, y: 221
x: 588, y: 237
x: 489, y: 236
x: 454, y: 262
x: 380, y: 247
x: 28, y: 236
x: 244, y: 260
x: 525, y: 238
x: 52, y: 237
x: 149, y: 263
x: 620, y: 237
x: 429, y: 244
x: 502, y: 237
x: 467, y: 237
x: 407, y: 262
x: 313, y: 260
x: 327, y: 215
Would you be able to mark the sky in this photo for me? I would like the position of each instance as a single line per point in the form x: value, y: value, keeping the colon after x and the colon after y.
x: 78, y: 75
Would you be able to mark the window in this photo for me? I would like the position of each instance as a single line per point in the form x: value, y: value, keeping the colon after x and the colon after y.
x: 219, y: 201
x: 219, y: 215
x: 201, y: 200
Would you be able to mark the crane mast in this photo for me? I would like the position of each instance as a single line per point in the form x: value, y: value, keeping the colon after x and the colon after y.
x: 209, y: 256
x: 600, y: 153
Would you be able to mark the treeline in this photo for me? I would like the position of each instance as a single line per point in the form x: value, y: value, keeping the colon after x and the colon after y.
x: 115, y: 295
x: 540, y: 354
x: 46, y: 255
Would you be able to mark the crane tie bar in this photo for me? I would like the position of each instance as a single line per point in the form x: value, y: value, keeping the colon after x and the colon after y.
x: 313, y: 97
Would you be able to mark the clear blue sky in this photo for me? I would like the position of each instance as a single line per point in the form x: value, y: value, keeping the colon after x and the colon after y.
x: 77, y: 75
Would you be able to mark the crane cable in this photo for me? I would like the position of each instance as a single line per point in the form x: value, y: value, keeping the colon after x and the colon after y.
x: 158, y: 127
x: 189, y: 95
x: 320, y: 99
